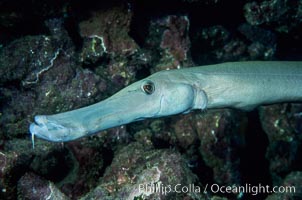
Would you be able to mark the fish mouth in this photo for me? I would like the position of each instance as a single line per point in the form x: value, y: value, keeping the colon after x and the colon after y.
x: 50, y: 129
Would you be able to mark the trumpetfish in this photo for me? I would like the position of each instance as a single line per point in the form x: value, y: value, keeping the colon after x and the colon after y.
x: 239, y: 85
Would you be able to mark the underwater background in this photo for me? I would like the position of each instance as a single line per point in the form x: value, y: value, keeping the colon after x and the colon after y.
x: 57, y: 56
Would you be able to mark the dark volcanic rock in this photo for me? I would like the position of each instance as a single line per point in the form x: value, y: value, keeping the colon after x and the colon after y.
x: 33, y: 187
x: 135, y: 168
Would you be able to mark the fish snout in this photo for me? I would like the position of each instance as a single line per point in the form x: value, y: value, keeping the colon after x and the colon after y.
x: 47, y: 129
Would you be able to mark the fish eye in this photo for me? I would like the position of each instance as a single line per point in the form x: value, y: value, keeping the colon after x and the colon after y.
x: 148, y: 87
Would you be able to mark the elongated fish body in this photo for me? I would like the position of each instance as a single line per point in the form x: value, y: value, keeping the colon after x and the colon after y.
x: 245, y: 85
x: 242, y: 85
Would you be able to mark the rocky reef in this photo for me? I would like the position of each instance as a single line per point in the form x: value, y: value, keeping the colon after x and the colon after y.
x: 57, y: 56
